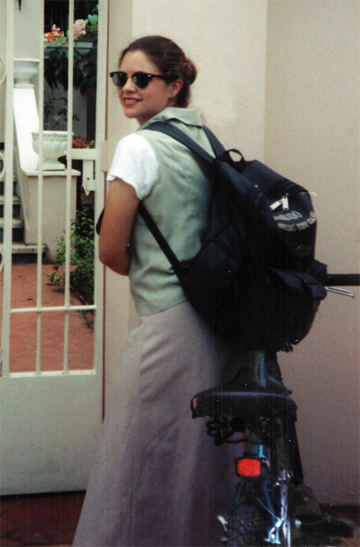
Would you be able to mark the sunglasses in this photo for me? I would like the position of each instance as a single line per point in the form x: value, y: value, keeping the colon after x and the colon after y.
x: 139, y: 79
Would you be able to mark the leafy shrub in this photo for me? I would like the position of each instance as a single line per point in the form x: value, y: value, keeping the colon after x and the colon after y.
x: 55, y: 114
x: 81, y: 256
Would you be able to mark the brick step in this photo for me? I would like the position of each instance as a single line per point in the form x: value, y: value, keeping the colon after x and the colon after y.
x: 17, y: 230
x: 16, y: 206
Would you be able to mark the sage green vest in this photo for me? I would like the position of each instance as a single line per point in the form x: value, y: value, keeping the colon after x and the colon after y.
x: 178, y: 203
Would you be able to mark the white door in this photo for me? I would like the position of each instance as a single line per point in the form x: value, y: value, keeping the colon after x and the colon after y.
x: 51, y: 385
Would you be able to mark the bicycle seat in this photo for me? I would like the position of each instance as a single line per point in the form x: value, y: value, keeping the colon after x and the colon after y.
x: 243, y: 396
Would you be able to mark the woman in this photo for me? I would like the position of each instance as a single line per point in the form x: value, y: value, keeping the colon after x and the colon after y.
x: 158, y: 479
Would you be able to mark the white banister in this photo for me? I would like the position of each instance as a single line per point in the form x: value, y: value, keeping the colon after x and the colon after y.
x: 55, y: 308
x: 88, y: 157
x: 32, y: 170
x: 9, y: 151
x: 40, y: 209
x: 26, y: 120
x: 68, y: 182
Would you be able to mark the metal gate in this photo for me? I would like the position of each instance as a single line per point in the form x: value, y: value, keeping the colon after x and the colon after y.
x: 51, y: 409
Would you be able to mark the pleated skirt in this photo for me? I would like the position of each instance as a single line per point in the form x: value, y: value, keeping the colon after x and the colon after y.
x: 158, y: 479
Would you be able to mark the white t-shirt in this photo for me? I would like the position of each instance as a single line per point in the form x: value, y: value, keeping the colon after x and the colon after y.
x: 135, y: 163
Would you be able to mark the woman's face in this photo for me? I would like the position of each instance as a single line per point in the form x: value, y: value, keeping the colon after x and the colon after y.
x: 143, y: 104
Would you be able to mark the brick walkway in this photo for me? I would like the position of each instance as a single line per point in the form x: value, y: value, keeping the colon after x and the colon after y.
x: 23, y: 325
x: 43, y: 519
x: 50, y: 520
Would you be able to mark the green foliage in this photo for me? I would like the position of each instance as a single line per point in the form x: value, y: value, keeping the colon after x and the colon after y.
x: 55, y: 117
x: 81, y: 256
x: 92, y: 22
x: 89, y: 77
x: 56, y: 67
x: 84, y: 7
x: 56, y: 63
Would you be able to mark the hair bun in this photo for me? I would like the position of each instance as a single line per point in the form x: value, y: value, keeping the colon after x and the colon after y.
x: 190, y: 71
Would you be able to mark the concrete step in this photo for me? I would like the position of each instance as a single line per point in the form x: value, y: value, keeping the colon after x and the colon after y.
x: 2, y: 186
x: 23, y: 253
x: 16, y: 206
x: 17, y: 230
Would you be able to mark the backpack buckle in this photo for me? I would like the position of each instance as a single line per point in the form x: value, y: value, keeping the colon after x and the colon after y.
x: 284, y: 202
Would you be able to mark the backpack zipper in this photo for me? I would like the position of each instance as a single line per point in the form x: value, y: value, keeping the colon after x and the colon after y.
x: 284, y: 202
x: 288, y: 189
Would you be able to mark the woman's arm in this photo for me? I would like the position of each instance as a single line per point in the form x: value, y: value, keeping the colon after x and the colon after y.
x: 119, y: 215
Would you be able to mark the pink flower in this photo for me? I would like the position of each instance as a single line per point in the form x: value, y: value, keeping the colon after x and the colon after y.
x: 54, y: 35
x: 79, y: 28
x: 56, y: 31
x: 48, y: 37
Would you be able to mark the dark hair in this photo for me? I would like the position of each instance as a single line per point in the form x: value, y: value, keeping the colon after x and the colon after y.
x: 170, y: 59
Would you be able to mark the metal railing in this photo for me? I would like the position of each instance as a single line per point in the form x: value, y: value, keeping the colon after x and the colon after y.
x: 67, y: 308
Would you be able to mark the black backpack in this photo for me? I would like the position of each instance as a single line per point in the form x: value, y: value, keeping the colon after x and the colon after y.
x: 255, y: 279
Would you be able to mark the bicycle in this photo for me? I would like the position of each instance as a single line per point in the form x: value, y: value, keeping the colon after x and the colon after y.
x: 272, y: 505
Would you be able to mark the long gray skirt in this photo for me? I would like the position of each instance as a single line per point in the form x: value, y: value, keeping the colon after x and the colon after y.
x: 158, y: 479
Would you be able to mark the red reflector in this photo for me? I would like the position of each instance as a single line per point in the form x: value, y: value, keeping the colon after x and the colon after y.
x: 247, y: 467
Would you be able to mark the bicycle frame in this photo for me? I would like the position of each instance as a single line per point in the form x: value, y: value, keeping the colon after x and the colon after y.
x: 270, y: 482
x: 265, y: 476
x: 270, y: 469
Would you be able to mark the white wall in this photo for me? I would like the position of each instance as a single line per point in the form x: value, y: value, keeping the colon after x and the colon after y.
x: 229, y: 92
x: 117, y: 298
x: 226, y: 39
x: 2, y: 67
x: 26, y: 43
x: 283, y: 86
x: 312, y: 136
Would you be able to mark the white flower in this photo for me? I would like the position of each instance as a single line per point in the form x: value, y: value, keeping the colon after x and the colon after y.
x: 79, y: 28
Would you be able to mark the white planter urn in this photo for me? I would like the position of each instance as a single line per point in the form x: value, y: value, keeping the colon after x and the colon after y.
x: 24, y: 71
x: 54, y: 146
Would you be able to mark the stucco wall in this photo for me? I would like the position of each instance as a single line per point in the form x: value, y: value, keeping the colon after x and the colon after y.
x: 279, y: 80
x: 27, y: 40
x: 228, y: 47
x: 117, y: 297
x: 312, y: 136
x: 2, y: 67
x: 227, y: 42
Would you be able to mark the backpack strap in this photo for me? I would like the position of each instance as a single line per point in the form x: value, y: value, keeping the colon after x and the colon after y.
x: 163, y: 244
x: 214, y: 141
x: 181, y: 137
x: 224, y: 155
x: 220, y: 152
x: 177, y: 134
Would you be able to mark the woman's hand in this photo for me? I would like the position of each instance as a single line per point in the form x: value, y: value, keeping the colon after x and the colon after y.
x: 119, y: 215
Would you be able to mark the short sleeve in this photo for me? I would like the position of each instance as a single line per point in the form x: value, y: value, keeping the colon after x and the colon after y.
x: 135, y: 163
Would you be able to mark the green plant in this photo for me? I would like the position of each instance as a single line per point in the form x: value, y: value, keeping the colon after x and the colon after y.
x: 91, y: 23
x: 56, y: 63
x: 55, y: 114
x: 56, y: 67
x: 81, y: 256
